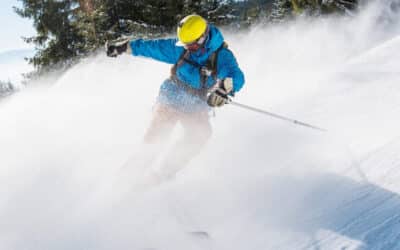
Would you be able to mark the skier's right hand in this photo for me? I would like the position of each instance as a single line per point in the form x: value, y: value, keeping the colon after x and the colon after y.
x: 219, y: 96
x: 117, y: 47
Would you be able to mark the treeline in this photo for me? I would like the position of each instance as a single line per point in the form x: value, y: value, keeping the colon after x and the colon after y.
x: 70, y: 29
x: 282, y: 9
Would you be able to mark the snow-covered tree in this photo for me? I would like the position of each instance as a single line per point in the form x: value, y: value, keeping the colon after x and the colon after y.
x: 344, y: 6
x: 281, y: 10
x: 284, y: 9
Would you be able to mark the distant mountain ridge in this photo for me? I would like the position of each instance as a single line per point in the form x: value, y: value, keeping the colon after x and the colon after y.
x: 11, y: 56
x: 13, y: 64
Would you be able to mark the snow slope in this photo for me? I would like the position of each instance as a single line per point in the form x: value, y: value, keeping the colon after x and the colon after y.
x: 259, y: 184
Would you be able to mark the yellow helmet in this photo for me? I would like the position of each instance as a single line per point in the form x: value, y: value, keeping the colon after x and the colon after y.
x: 190, y: 29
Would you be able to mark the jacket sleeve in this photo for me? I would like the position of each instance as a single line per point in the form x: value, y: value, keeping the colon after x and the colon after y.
x: 163, y: 50
x: 227, y: 66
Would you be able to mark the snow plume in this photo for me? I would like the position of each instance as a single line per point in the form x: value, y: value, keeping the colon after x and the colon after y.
x: 259, y: 184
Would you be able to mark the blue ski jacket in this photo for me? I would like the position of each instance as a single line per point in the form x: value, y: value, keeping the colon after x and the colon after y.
x: 166, y: 50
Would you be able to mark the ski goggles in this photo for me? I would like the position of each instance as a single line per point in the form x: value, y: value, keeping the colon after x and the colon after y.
x: 194, y: 46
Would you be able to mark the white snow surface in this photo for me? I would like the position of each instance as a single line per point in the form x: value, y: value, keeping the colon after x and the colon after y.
x: 259, y: 184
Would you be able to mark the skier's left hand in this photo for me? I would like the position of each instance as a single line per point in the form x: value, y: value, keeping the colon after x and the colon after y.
x: 220, y: 95
x: 117, y: 47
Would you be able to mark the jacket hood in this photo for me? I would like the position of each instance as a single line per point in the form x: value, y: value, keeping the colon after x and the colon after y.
x: 215, y: 38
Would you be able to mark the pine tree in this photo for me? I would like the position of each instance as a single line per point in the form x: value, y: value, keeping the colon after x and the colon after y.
x: 286, y: 9
x: 306, y: 7
x: 281, y: 10
x: 338, y: 6
x: 250, y: 12
x: 86, y: 6
x: 58, y: 40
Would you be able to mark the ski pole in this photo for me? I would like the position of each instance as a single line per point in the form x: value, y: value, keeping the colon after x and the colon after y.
x: 276, y: 116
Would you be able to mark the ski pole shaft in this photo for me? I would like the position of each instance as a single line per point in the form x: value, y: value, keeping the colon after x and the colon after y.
x: 276, y: 116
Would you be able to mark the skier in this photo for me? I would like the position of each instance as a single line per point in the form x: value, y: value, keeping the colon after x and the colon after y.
x: 204, y: 74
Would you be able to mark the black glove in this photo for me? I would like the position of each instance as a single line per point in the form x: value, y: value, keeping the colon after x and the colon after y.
x: 220, y: 95
x: 117, y: 47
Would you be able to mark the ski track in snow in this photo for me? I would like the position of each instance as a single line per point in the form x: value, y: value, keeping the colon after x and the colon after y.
x: 259, y: 184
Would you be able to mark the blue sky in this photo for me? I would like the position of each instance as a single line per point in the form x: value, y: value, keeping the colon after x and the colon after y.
x: 13, y: 27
